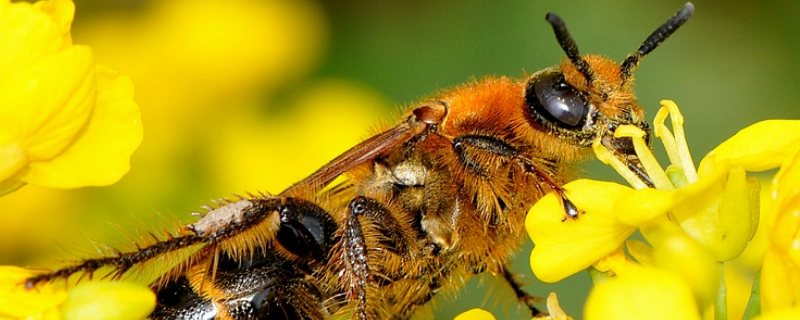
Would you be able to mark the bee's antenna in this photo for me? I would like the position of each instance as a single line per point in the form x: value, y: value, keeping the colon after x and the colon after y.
x: 569, y: 46
x: 655, y: 39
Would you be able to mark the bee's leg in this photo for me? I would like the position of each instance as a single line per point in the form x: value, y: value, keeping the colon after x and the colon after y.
x: 523, y: 297
x: 355, y: 256
x: 570, y: 209
x: 358, y: 273
x: 256, y: 217
x: 121, y: 261
x: 216, y: 225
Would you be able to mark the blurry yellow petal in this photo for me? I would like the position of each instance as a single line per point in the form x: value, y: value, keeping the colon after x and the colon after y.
x: 56, y: 128
x: 686, y: 258
x: 61, y: 13
x: 48, y: 103
x: 761, y: 146
x: 12, y: 159
x: 780, y: 281
x: 615, y: 263
x: 642, y: 293
x: 240, y: 43
x: 783, y: 314
x: 9, y: 186
x: 785, y: 233
x: 564, y: 247
x: 780, y: 275
x: 475, y: 314
x: 100, y: 154
x: 28, y: 35
x: 108, y: 300
x: 16, y: 301
x: 322, y: 109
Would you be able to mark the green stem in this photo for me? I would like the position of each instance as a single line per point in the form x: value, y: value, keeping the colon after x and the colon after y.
x: 721, y: 304
x: 754, y: 305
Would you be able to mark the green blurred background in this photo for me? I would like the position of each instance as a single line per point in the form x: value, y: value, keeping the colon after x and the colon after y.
x: 252, y: 95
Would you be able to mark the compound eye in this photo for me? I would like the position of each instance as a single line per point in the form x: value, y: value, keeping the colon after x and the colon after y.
x: 555, y: 101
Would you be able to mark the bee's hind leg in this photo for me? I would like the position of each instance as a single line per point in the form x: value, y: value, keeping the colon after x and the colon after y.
x: 522, y: 296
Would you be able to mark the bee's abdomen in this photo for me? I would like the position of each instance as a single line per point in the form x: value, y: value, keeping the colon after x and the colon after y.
x: 274, y: 280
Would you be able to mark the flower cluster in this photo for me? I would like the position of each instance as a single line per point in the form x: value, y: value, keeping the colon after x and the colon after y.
x: 64, y: 121
x: 693, y: 221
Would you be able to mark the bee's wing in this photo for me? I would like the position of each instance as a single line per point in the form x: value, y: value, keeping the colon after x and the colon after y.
x: 374, y: 147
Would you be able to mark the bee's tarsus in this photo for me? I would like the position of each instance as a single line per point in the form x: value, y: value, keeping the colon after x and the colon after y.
x: 570, y: 209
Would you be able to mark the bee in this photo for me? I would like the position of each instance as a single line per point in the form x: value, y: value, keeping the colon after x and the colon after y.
x: 424, y: 205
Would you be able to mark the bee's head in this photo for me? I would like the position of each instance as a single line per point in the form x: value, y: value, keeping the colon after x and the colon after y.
x: 588, y: 97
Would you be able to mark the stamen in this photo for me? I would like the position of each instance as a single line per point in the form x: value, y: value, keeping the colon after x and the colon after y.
x: 676, y: 145
x: 554, y: 308
x: 648, y: 160
x: 606, y: 157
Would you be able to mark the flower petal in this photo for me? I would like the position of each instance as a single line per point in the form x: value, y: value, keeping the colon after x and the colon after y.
x: 783, y: 314
x: 108, y: 301
x: 642, y: 293
x: 564, y: 247
x: 28, y: 35
x: 100, y: 154
x: 644, y: 205
x: 17, y: 302
x: 780, y: 274
x: 48, y: 103
x: 61, y: 13
x: 785, y: 233
x: 750, y: 150
x: 686, y: 258
x: 780, y: 280
x: 475, y: 314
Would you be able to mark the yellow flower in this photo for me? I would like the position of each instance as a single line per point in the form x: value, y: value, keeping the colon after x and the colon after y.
x: 87, y: 300
x: 18, y: 302
x: 554, y: 312
x: 716, y: 205
x: 674, y: 280
x: 64, y: 121
x: 695, y: 219
x: 782, y: 314
x: 475, y: 314
x: 642, y: 293
x: 780, y: 274
x: 564, y: 247
x: 108, y: 300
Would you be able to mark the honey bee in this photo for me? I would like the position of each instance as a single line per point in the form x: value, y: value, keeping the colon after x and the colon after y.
x: 426, y: 204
